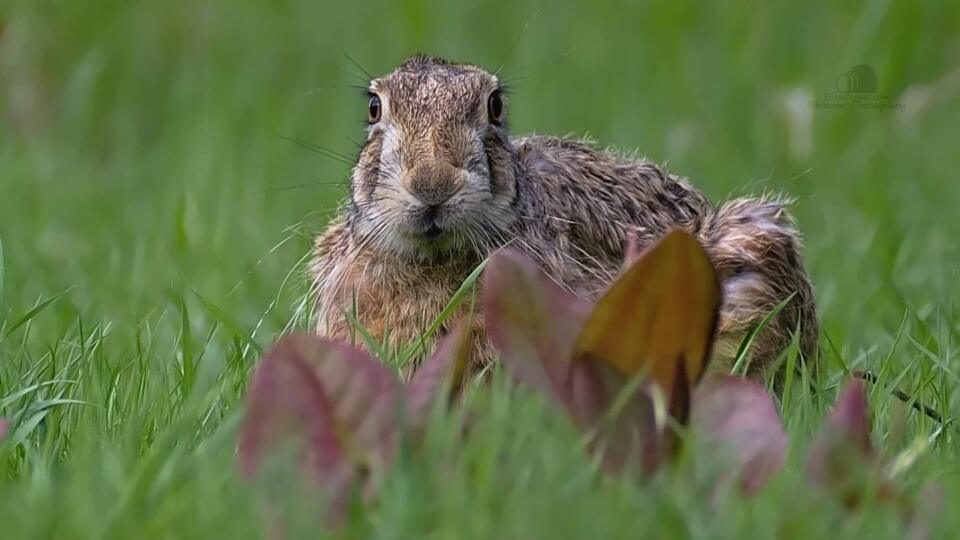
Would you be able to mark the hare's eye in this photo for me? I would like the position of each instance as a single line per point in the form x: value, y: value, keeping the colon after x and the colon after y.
x: 374, y: 109
x: 495, y: 108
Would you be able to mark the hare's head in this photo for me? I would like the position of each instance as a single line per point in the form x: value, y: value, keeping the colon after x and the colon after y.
x: 436, y: 177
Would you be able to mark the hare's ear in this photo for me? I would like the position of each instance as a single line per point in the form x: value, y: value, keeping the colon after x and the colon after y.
x: 661, y: 310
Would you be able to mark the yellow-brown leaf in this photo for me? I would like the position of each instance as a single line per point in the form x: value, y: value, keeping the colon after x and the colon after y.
x: 660, y: 311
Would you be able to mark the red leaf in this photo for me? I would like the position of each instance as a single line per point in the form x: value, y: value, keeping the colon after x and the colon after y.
x: 656, y: 321
x: 4, y: 427
x: 448, y: 364
x: 338, y: 405
x: 921, y: 514
x: 365, y: 397
x: 532, y: 322
x: 738, y: 418
x: 286, y: 401
x: 842, y: 456
x: 618, y: 414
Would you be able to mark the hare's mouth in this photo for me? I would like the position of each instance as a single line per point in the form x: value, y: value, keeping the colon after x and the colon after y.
x: 431, y: 226
x: 430, y: 223
x: 431, y: 233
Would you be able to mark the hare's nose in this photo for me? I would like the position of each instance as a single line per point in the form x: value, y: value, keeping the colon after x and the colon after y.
x: 434, y: 183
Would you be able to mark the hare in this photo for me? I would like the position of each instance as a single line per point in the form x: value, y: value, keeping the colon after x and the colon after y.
x: 440, y: 184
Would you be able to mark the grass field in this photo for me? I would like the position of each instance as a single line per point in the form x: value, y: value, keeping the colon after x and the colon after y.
x: 154, y: 217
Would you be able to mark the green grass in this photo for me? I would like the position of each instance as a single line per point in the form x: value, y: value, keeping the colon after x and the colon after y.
x: 154, y: 216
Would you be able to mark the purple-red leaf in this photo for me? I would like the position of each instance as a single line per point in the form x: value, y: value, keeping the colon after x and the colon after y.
x: 365, y: 396
x: 532, y: 322
x: 653, y: 326
x: 4, y: 427
x: 287, y: 404
x: 738, y: 418
x: 923, y: 512
x: 338, y: 406
x: 448, y: 364
x: 842, y: 457
x: 618, y: 414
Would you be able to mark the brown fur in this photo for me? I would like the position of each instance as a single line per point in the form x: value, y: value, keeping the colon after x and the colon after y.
x: 439, y: 185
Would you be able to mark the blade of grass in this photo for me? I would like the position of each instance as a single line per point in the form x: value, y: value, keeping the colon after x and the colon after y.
x: 228, y: 322
x: 445, y: 314
x: 187, y: 366
x: 742, y: 363
x: 36, y: 310
x: 3, y: 267
x: 38, y: 411
x: 29, y: 390
x: 372, y: 344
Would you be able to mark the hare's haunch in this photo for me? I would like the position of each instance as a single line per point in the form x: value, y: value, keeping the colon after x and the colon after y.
x: 439, y: 184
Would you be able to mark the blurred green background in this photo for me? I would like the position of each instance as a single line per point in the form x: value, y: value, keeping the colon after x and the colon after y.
x: 146, y: 166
